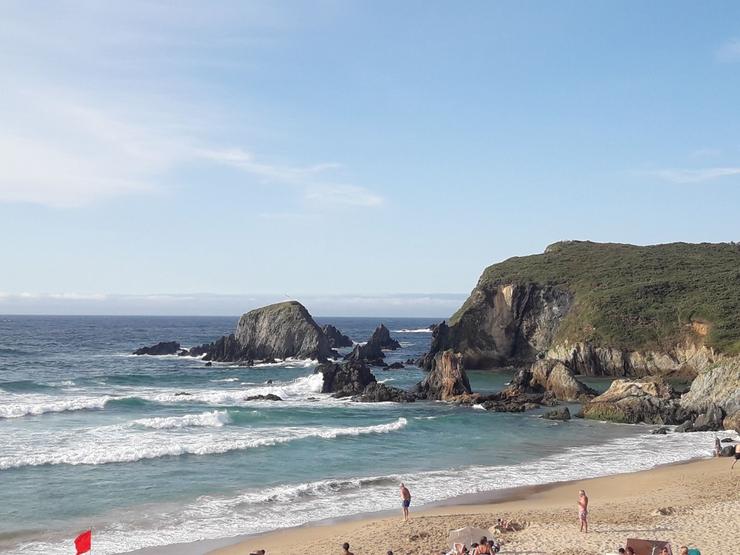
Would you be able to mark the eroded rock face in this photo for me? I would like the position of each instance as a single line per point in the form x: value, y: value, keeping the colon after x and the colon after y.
x: 559, y: 413
x: 558, y: 379
x: 508, y: 324
x: 717, y: 385
x: 732, y: 422
x: 650, y: 400
x: 446, y: 380
x: 336, y: 338
x: 161, y: 348
x: 345, y: 379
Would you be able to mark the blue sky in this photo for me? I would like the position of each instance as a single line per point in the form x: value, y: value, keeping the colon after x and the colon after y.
x: 350, y: 150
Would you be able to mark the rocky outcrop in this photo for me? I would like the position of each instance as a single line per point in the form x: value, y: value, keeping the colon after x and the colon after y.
x: 161, y: 348
x: 372, y: 351
x: 558, y: 379
x: 336, y: 338
x: 268, y: 397
x: 345, y: 379
x: 380, y: 393
x: 446, y: 380
x: 650, y: 400
x: 718, y: 385
x: 278, y: 331
x: 559, y: 413
x: 732, y: 422
x: 522, y: 393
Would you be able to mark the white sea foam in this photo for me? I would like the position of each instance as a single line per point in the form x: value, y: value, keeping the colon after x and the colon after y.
x: 417, y: 330
x: 225, y: 380
x: 33, y: 404
x: 215, y: 419
x: 117, y: 444
x: 259, y: 510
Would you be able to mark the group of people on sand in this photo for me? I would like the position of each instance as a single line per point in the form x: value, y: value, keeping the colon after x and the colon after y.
x: 683, y: 550
x: 482, y: 547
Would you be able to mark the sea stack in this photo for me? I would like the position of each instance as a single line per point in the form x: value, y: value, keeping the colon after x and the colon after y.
x: 278, y: 331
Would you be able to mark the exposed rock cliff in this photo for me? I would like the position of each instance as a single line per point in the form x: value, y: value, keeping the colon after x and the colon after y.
x: 282, y: 330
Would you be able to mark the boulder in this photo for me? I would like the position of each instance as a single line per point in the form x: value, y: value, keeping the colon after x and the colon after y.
x: 268, y: 397
x: 278, y: 331
x: 685, y: 426
x: 649, y: 400
x: 382, y: 336
x: 379, y: 392
x: 372, y: 351
x: 727, y: 451
x: 345, y: 379
x: 660, y: 431
x: 446, y: 380
x: 560, y: 413
x: 336, y: 338
x: 557, y: 378
x: 161, y: 348
x: 732, y: 421
x: 717, y: 385
x: 396, y: 366
x: 709, y: 421
x: 209, y: 363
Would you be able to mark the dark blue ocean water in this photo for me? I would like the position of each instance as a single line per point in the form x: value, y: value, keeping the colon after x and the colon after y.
x: 93, y: 436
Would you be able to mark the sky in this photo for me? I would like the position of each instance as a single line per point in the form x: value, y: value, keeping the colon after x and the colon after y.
x: 366, y: 157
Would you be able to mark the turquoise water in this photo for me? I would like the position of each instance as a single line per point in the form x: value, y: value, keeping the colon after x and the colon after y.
x: 92, y: 436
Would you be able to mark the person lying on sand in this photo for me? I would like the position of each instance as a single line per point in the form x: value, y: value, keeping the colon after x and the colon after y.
x: 345, y: 549
x: 583, y: 510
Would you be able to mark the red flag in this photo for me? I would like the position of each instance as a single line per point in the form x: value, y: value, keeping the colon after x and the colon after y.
x: 83, y: 541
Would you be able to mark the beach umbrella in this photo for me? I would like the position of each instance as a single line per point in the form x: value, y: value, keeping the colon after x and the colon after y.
x: 468, y: 535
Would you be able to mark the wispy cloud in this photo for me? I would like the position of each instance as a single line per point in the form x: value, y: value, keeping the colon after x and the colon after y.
x: 695, y: 175
x: 729, y: 51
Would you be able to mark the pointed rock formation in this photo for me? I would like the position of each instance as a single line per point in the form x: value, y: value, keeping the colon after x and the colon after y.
x: 557, y: 378
x: 446, y: 380
x: 336, y: 338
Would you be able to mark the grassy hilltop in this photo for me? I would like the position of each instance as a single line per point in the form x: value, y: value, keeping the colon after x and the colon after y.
x: 632, y: 297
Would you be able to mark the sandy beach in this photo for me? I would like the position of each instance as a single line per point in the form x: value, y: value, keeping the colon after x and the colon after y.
x: 696, y: 504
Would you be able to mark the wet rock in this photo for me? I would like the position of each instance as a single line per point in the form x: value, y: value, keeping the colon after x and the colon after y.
x: 379, y: 392
x: 649, y: 400
x: 709, y: 421
x: 161, y: 348
x: 209, y: 363
x: 268, y: 397
x: 660, y: 431
x: 560, y: 413
x: 182, y: 394
x: 395, y: 366
x: 686, y: 426
x: 727, y: 451
x: 345, y: 379
x: 557, y: 378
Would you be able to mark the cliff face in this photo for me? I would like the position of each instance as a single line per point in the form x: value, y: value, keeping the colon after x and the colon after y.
x: 603, y: 309
x: 505, y: 324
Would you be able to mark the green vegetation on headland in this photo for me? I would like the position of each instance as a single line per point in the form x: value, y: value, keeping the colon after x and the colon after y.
x: 633, y: 297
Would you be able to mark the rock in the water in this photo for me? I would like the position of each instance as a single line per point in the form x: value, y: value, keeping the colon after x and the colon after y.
x: 560, y: 413
x: 446, y: 380
x: 209, y: 363
x: 282, y: 330
x: 727, y: 451
x: 161, y: 348
x: 649, y: 400
x: 379, y: 393
x: 718, y: 385
x: 336, y: 338
x: 685, y: 426
x: 372, y: 351
x: 660, y: 431
x: 558, y: 379
x: 709, y: 421
x: 268, y: 397
x: 395, y: 366
x: 345, y: 379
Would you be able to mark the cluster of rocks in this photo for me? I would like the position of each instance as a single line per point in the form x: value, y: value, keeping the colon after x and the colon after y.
x: 162, y: 348
x: 372, y: 351
x: 353, y: 378
x: 336, y: 338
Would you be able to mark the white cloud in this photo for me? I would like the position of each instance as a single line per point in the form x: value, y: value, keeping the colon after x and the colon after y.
x: 695, y: 176
x: 729, y: 51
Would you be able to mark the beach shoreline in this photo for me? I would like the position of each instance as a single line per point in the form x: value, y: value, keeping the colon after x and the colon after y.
x: 622, y: 505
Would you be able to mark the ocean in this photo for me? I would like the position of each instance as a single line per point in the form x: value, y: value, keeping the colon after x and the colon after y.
x: 158, y: 450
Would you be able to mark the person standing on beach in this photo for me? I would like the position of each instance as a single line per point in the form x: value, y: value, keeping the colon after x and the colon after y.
x: 405, y: 502
x: 737, y: 455
x: 583, y: 510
